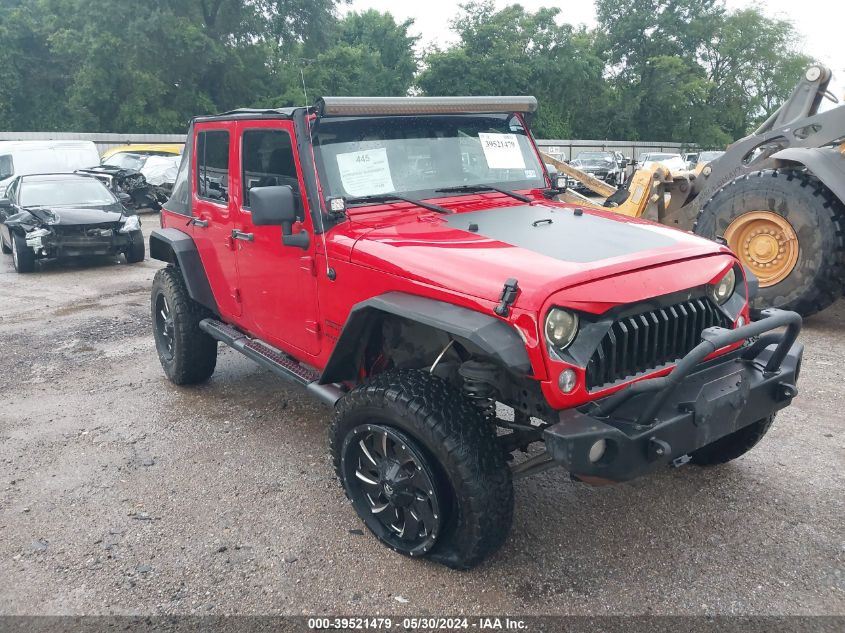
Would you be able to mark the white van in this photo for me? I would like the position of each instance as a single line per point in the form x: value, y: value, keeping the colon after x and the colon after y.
x: 21, y: 158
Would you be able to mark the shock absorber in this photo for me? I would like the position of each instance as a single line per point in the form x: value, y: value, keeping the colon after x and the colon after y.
x: 480, y: 385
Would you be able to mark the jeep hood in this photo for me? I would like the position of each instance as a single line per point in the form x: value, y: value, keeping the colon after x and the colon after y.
x: 546, y: 248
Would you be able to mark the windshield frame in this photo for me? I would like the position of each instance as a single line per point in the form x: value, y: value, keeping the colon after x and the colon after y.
x: 530, y: 152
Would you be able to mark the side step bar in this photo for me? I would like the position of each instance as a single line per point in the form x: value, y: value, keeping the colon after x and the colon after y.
x: 273, y: 359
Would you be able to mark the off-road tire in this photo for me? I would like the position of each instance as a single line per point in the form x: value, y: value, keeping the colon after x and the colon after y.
x: 818, y: 219
x: 734, y: 445
x: 461, y: 450
x: 135, y: 253
x: 23, y: 256
x: 194, y: 353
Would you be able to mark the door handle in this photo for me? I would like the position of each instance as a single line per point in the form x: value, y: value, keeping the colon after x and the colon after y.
x: 240, y: 235
x: 199, y: 222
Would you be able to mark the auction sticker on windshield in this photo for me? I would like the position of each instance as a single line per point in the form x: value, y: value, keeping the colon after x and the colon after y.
x: 501, y: 151
x: 366, y: 172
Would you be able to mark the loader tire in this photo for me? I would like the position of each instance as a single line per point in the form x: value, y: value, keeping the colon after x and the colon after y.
x: 789, y: 229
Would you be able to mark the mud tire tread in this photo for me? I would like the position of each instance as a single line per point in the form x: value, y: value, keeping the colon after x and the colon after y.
x: 195, y: 352
x: 462, y: 445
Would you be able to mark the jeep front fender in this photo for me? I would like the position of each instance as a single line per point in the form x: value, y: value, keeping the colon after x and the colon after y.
x: 178, y: 248
x: 494, y: 337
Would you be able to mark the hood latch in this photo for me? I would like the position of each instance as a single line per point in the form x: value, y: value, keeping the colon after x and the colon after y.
x: 508, y: 296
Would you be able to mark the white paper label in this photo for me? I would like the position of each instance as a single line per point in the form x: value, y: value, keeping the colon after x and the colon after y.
x: 365, y: 173
x: 501, y: 151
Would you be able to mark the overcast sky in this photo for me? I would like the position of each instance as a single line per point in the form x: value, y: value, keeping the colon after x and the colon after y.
x: 820, y: 22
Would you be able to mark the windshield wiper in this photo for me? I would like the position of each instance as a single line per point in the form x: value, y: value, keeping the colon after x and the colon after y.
x: 388, y: 197
x: 484, y: 187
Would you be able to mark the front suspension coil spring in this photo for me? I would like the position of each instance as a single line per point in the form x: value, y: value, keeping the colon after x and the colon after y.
x: 479, y: 386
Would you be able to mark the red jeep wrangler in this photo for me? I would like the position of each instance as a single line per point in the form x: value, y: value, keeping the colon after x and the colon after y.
x: 405, y: 261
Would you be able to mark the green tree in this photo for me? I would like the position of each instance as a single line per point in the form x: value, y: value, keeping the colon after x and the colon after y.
x: 97, y: 65
x: 688, y: 70
x: 372, y: 55
x: 515, y: 51
x: 753, y: 64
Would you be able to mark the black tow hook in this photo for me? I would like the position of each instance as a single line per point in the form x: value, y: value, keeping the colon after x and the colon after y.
x: 785, y: 391
x: 658, y: 449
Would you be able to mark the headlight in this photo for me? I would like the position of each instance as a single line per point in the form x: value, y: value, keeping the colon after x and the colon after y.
x: 722, y: 290
x: 34, y: 239
x: 132, y: 223
x: 561, y: 328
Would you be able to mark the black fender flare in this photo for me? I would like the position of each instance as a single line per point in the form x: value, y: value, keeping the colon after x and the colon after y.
x: 493, y: 336
x: 178, y: 248
x: 826, y: 164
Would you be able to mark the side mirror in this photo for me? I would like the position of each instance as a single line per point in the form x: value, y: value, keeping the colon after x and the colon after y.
x: 558, y: 179
x: 124, y: 198
x: 275, y: 206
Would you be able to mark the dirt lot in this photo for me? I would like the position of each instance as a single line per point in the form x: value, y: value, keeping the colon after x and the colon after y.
x: 121, y: 493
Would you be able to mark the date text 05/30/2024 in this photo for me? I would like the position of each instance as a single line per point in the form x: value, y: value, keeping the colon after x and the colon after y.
x: 415, y: 624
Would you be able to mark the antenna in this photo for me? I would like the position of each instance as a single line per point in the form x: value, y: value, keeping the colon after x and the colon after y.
x: 304, y: 91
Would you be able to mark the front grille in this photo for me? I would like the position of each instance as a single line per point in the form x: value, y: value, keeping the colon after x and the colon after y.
x: 643, y: 342
x: 85, y: 230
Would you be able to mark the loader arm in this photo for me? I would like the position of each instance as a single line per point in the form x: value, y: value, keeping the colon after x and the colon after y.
x: 796, y: 124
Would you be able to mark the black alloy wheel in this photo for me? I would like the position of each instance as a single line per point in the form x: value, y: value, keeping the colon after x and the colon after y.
x: 164, y: 330
x: 392, y: 488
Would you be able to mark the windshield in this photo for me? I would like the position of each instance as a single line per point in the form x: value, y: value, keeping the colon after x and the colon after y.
x: 64, y: 193
x: 594, y: 158
x: 416, y: 155
x: 659, y: 157
x: 126, y: 160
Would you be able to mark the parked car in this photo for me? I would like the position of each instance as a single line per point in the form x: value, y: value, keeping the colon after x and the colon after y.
x: 63, y: 216
x: 691, y: 159
x: 133, y: 155
x: 414, y: 298
x: 20, y: 158
x: 708, y: 157
x: 674, y: 162
x: 157, y: 163
x: 606, y: 166
x: 141, y: 193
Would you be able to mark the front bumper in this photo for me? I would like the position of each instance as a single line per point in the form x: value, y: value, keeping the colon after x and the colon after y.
x: 654, y: 422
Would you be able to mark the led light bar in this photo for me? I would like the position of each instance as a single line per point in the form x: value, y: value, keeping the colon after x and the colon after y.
x: 374, y: 106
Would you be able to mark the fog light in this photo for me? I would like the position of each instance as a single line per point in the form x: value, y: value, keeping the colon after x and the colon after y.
x: 566, y: 381
x: 597, y: 451
x: 740, y: 321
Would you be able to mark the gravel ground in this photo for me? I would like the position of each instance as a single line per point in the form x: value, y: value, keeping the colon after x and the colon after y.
x: 122, y: 493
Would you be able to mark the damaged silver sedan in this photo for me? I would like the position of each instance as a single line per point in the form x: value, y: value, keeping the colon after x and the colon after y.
x: 60, y: 216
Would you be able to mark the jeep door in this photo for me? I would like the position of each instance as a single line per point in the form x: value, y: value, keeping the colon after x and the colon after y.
x: 278, y: 283
x: 213, y: 208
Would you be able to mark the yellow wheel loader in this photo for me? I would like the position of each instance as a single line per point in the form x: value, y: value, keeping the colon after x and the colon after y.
x: 776, y: 197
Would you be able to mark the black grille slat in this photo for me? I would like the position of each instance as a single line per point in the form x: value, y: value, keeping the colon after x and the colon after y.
x: 684, y: 324
x: 602, y: 362
x: 634, y: 350
x: 650, y: 339
x: 656, y: 353
x: 664, y: 333
x: 696, y: 328
x: 612, y: 354
x: 623, y: 349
